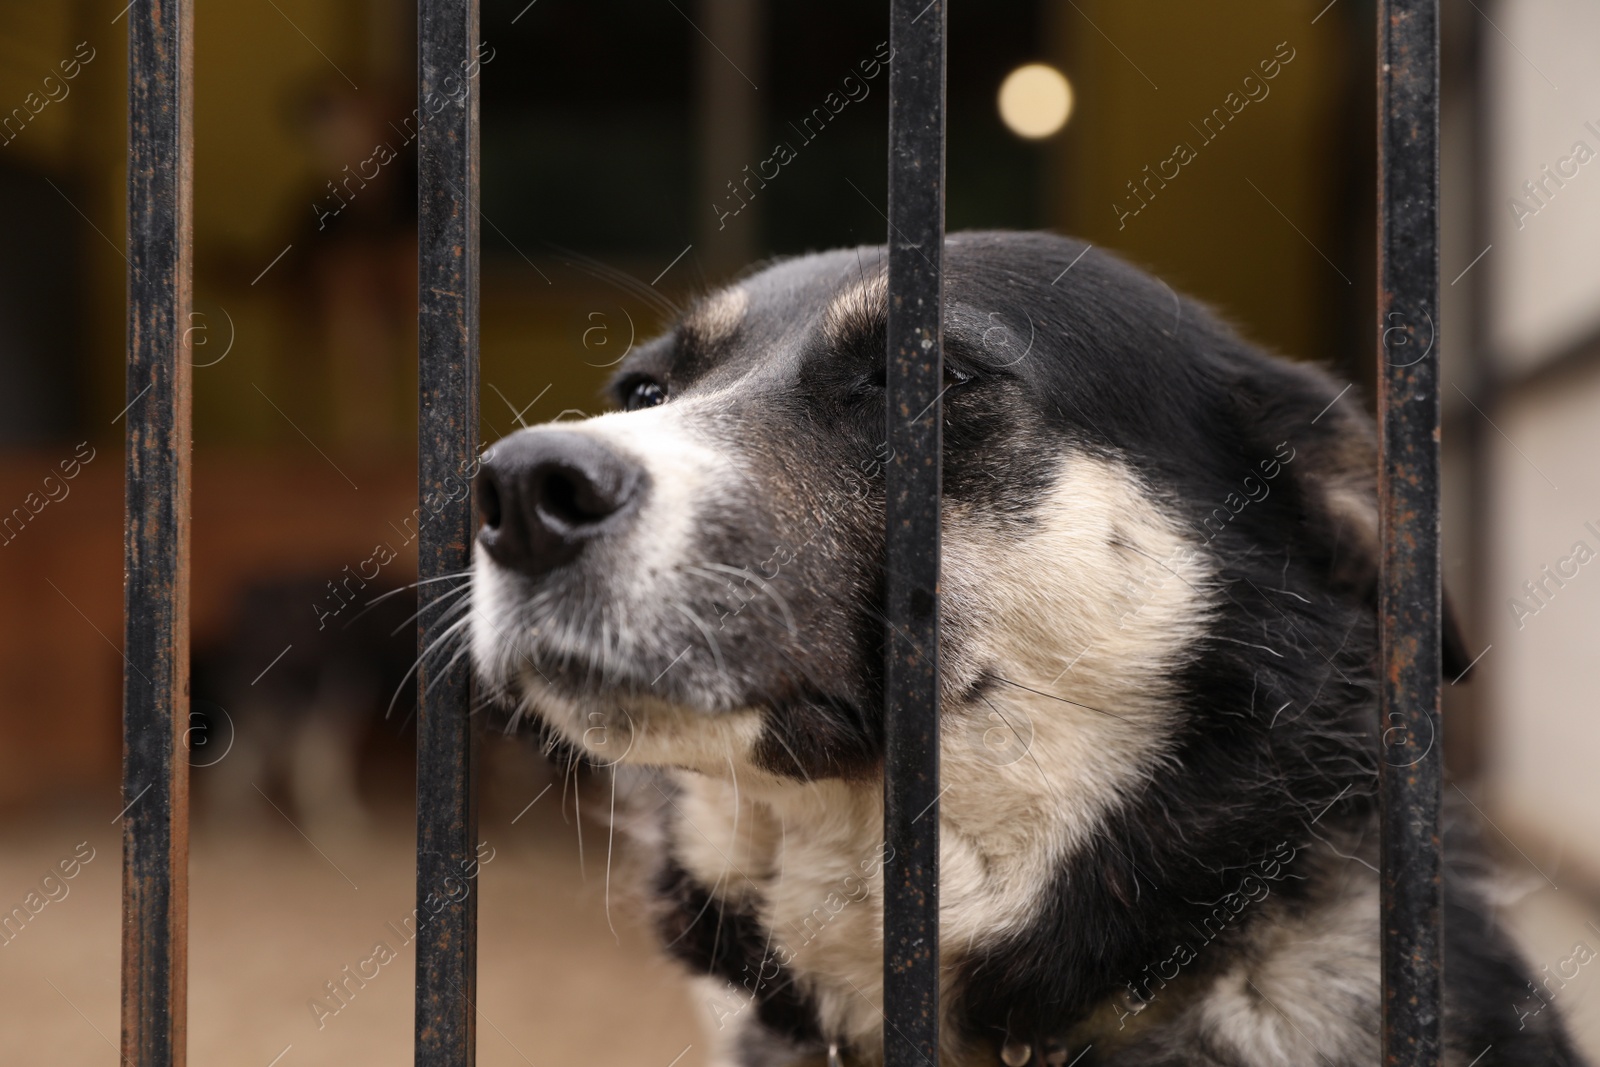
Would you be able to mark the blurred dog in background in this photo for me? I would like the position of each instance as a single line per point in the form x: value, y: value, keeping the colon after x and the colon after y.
x: 290, y: 699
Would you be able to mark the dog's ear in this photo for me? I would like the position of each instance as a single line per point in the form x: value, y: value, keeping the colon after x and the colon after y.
x: 1338, y: 471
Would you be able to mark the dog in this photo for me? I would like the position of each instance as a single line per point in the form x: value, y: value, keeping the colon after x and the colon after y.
x: 1159, y: 728
x: 291, y: 696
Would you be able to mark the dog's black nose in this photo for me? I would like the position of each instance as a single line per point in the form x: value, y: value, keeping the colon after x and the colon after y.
x: 543, y: 495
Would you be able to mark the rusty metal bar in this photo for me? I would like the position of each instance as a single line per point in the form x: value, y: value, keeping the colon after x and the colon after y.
x: 155, y: 679
x: 915, y: 440
x: 1408, y: 503
x: 447, y: 433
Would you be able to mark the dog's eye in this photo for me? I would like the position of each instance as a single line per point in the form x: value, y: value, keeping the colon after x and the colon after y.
x: 644, y: 393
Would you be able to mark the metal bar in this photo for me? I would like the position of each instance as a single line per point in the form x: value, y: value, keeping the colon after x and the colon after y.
x: 915, y: 439
x: 155, y: 678
x: 447, y: 432
x: 1408, y: 506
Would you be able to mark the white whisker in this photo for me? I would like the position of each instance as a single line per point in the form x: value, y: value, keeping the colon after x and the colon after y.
x: 711, y: 637
x: 415, y: 667
x: 764, y: 585
x: 611, y: 836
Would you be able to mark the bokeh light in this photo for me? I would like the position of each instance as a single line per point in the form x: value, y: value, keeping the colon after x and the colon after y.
x: 1035, y: 100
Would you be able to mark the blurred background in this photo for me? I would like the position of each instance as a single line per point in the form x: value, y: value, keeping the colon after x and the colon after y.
x: 619, y: 140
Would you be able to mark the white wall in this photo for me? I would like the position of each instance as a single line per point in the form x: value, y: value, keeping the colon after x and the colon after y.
x: 1543, y: 671
x: 1544, y: 66
x: 1543, y: 273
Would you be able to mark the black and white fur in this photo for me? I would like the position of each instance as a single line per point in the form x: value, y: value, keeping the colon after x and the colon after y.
x: 1159, y: 735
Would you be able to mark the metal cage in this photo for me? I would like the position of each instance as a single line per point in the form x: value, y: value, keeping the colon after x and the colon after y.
x: 155, y: 702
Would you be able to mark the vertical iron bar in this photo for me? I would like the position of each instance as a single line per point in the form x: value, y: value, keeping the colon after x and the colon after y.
x: 915, y: 440
x: 155, y: 679
x: 1408, y: 503
x: 447, y: 433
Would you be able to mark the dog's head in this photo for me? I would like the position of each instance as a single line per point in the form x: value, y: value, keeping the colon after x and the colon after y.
x: 1137, y: 509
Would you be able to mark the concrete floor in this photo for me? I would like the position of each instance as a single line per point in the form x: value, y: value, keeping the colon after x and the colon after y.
x: 273, y: 919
